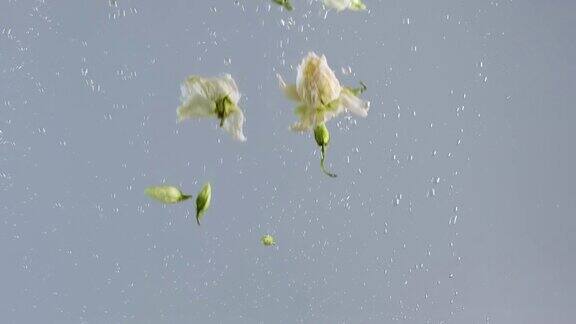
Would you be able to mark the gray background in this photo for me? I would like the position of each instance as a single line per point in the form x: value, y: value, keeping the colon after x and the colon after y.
x: 477, y: 94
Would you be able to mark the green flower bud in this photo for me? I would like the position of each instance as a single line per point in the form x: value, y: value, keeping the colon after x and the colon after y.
x: 224, y: 107
x: 284, y: 3
x: 203, y: 201
x: 322, y: 135
x: 268, y: 240
x: 166, y: 194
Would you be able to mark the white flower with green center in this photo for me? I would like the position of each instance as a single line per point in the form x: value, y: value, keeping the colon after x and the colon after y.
x: 320, y: 95
x: 213, y: 97
x: 321, y: 98
x: 340, y: 5
x: 166, y: 194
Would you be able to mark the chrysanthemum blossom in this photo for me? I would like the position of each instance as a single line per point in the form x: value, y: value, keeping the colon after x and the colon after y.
x: 213, y: 97
x: 320, y: 95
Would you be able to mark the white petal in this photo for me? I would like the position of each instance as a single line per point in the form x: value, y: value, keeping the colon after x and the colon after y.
x: 353, y: 104
x: 329, y: 77
x: 289, y: 89
x: 337, y: 4
x: 233, y: 124
x: 307, y: 118
x: 326, y: 116
x: 300, y: 85
x: 191, y: 87
x: 195, y: 100
x: 196, y: 107
x: 300, y: 127
x: 209, y: 88
x: 316, y: 83
x: 227, y: 87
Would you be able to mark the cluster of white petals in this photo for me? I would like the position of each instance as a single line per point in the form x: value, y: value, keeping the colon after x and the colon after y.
x: 340, y: 5
x: 320, y: 95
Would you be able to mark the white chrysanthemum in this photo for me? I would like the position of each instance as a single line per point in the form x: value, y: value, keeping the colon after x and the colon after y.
x: 340, y: 5
x: 213, y: 97
x: 316, y: 83
x: 320, y: 95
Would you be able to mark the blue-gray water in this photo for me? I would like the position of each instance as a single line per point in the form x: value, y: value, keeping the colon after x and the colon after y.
x: 455, y: 196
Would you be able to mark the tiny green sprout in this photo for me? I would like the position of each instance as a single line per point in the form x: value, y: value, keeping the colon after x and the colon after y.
x: 268, y: 240
x: 166, y: 194
x: 203, y: 201
x: 322, y: 137
x: 284, y: 3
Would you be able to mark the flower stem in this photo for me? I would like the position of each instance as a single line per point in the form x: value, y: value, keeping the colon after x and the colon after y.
x: 322, y: 163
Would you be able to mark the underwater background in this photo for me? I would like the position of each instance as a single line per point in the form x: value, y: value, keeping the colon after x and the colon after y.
x: 454, y: 201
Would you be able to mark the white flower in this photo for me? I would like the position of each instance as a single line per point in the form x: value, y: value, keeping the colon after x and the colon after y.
x: 340, y: 5
x: 212, y: 97
x: 320, y: 95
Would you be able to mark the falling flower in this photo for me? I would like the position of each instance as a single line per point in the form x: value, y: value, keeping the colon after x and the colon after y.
x: 268, y: 240
x: 320, y: 95
x: 166, y: 194
x: 340, y: 5
x: 203, y: 201
x: 321, y: 98
x: 213, y: 97
x: 284, y: 3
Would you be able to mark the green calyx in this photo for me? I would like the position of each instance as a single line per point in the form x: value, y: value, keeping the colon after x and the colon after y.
x: 203, y: 201
x: 224, y: 107
x: 358, y: 90
x: 284, y: 3
x: 322, y: 137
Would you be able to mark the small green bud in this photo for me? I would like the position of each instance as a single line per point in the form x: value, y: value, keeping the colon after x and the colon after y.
x: 284, y: 3
x: 203, y: 201
x: 224, y: 107
x: 322, y: 135
x: 166, y: 194
x: 268, y: 240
